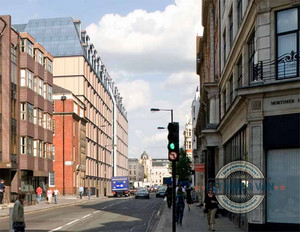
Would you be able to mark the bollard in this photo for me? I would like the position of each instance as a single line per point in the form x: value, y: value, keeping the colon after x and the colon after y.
x: 11, y: 209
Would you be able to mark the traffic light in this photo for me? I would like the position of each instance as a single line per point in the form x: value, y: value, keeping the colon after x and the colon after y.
x: 173, y: 138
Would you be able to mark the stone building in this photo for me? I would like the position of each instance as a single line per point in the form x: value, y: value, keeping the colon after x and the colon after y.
x: 249, y: 100
x: 135, y: 170
x: 160, y: 169
x: 146, y: 161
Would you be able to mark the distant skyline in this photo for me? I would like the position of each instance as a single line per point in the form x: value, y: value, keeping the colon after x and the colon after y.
x: 149, y: 49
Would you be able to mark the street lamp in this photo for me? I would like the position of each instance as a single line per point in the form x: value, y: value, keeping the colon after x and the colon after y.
x: 173, y: 172
x: 63, y: 98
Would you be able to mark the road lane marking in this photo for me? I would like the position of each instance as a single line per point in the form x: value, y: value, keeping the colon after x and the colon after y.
x: 104, y: 207
x: 58, y: 228
x: 97, y: 211
x: 72, y: 222
x: 87, y: 216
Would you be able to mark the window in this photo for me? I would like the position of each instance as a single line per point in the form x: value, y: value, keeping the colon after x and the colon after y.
x: 75, y: 108
x: 240, y: 12
x: 230, y: 28
x: 35, y: 147
x: 40, y: 90
x: 49, y: 65
x: 23, y: 145
x: 23, y: 111
x: 53, y: 152
x: 29, y: 48
x: 231, y: 89
x: 30, y: 79
x: 53, y: 127
x: 49, y: 122
x: 23, y: 77
x: 39, y: 57
x: 13, y: 68
x: 240, y: 72
x: 45, y: 121
x: 30, y: 112
x: 51, y: 179
x: 49, y: 93
x: 224, y: 47
x: 224, y: 100
x: 45, y: 91
x: 288, y: 31
x: 40, y: 117
x: 40, y: 149
x: 29, y: 145
x: 251, y: 46
x: 45, y: 150
x: 35, y: 112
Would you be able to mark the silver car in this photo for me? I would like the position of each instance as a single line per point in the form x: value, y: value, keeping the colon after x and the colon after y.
x: 142, y: 193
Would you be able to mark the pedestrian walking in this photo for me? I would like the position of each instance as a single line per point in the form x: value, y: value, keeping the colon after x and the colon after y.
x: 211, y: 205
x: 18, y: 214
x: 168, y: 193
x: 80, y: 190
x: 49, y: 196
x: 2, y: 189
x: 189, y: 199
x: 56, y: 193
x: 89, y: 192
x: 39, y: 192
x: 179, y: 205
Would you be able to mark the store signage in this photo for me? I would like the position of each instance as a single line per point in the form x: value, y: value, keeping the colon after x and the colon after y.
x: 199, y: 168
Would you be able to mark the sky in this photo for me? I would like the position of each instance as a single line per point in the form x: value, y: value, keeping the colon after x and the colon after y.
x: 148, y: 48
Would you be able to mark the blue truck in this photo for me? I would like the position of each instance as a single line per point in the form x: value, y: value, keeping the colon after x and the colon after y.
x: 120, y: 186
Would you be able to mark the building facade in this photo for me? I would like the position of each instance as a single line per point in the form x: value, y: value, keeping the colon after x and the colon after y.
x: 160, y: 169
x: 135, y: 170
x: 187, y: 135
x: 9, y: 108
x: 249, y: 83
x: 36, y: 110
x: 69, y: 140
x: 79, y: 69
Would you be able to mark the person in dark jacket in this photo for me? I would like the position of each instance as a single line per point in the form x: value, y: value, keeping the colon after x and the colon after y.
x: 169, y: 195
x: 180, y: 197
x: 211, y: 205
x: 2, y: 189
x: 18, y: 214
x: 189, y: 199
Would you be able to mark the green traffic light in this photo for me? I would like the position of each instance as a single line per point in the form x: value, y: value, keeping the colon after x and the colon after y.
x: 172, y: 146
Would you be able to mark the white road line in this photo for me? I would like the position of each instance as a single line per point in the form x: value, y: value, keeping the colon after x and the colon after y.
x: 104, y: 207
x: 72, y: 222
x: 58, y: 228
x: 97, y: 211
x: 87, y: 216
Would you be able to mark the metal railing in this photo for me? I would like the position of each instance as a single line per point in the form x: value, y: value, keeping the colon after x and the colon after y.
x: 286, y: 66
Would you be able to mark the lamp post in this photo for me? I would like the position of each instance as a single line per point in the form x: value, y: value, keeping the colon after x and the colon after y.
x: 63, y: 98
x: 173, y: 172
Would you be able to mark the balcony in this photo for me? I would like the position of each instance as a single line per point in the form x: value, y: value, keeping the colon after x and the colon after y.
x: 285, y: 67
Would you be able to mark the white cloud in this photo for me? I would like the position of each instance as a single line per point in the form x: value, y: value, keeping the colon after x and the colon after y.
x: 186, y: 82
x: 136, y: 94
x: 150, y: 41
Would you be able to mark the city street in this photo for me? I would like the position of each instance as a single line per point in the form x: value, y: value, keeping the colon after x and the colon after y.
x: 111, y: 214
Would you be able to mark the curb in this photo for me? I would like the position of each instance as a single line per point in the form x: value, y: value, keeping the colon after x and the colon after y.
x: 54, y: 206
x: 158, y: 217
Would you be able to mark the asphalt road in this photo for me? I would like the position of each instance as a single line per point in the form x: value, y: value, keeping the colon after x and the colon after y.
x: 113, y: 214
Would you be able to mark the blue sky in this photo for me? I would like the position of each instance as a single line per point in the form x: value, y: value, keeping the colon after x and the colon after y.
x: 149, y: 49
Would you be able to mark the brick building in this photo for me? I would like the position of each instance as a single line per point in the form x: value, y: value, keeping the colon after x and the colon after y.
x: 69, y: 141
x: 36, y: 110
x: 9, y: 110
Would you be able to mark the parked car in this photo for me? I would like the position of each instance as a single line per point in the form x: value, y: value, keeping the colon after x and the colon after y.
x: 161, y: 191
x: 142, y: 193
x: 132, y: 190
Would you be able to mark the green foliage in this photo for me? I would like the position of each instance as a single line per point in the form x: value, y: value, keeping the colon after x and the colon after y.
x: 145, y: 176
x: 183, y: 168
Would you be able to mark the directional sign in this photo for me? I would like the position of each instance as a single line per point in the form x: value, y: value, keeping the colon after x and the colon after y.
x: 173, y: 156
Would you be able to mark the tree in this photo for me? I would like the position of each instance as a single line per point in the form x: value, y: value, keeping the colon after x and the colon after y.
x: 145, y: 176
x: 183, y: 168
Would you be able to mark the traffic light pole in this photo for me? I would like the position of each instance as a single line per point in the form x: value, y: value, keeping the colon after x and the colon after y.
x: 173, y: 189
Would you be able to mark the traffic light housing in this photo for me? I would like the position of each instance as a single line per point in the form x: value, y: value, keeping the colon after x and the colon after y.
x: 173, y: 141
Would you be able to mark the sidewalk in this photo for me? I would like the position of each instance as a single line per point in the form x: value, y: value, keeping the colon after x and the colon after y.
x: 193, y: 220
x: 62, y: 201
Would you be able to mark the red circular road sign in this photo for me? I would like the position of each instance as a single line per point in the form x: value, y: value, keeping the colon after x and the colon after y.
x: 173, y: 156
